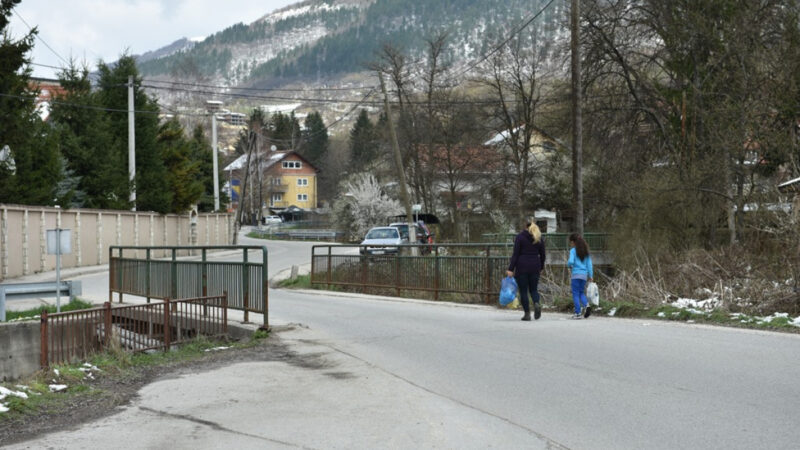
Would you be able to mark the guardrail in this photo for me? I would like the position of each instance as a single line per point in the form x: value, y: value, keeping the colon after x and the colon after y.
x: 245, y: 282
x: 76, y: 335
x: 18, y: 291
x: 441, y: 268
x: 299, y: 235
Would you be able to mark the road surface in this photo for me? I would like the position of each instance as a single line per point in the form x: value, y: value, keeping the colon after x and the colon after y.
x: 411, y: 374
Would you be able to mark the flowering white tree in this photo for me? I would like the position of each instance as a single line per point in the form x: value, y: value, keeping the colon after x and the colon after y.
x: 363, y: 205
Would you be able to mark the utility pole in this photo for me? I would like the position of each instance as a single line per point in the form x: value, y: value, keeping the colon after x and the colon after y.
x: 577, y: 123
x: 131, y: 144
x: 215, y: 163
x: 398, y: 160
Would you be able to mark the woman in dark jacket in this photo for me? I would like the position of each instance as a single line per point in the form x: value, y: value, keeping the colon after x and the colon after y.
x: 526, y: 264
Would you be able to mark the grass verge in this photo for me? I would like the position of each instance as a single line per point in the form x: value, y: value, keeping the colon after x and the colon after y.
x: 73, y: 305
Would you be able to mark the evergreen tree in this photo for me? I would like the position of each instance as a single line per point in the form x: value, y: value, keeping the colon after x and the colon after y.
x: 202, y: 154
x: 363, y: 141
x: 87, y: 144
x: 285, y: 131
x: 183, y: 172
x: 29, y: 172
x: 152, y: 188
x: 315, y: 139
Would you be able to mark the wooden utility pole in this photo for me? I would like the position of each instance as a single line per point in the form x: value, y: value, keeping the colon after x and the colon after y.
x: 398, y: 160
x: 577, y: 125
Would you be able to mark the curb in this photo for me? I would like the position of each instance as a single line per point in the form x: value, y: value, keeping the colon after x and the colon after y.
x: 390, y: 299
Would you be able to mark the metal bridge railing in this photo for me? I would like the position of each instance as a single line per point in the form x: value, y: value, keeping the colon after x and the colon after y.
x: 74, y: 336
x: 555, y: 241
x: 476, y: 269
x: 245, y: 282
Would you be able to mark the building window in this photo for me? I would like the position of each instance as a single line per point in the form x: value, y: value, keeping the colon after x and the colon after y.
x: 276, y: 181
x: 302, y: 181
x: 302, y: 197
x: 291, y: 165
x: 277, y: 198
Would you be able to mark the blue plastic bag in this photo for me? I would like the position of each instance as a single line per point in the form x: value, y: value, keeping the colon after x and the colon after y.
x: 508, y: 290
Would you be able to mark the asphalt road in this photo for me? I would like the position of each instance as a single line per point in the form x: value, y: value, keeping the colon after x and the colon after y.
x: 422, y: 375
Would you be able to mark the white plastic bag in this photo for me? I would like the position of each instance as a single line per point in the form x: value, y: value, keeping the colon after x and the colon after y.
x: 593, y: 294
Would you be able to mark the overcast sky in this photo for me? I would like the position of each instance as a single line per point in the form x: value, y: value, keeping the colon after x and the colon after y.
x: 89, y: 30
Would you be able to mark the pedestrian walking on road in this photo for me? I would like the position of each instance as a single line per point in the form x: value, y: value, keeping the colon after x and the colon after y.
x: 526, y: 265
x: 580, y: 264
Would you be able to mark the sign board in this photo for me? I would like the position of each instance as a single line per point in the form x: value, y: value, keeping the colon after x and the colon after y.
x: 65, y: 238
x: 416, y: 208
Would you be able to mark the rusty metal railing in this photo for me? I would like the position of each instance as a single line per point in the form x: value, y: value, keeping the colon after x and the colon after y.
x: 76, y: 335
x: 476, y: 269
x: 438, y: 268
x: 160, y: 274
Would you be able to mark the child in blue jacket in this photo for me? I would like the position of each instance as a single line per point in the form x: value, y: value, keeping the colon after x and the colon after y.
x: 580, y: 264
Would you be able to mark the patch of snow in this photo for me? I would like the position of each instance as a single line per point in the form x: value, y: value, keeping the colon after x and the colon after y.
x: 23, y: 387
x: 795, y: 322
x: 661, y: 314
x: 215, y: 349
x: 690, y: 321
x: 707, y: 305
x: 612, y: 312
x: 58, y: 374
x: 57, y: 387
x: 197, y: 39
x: 3, y: 408
x: 5, y: 392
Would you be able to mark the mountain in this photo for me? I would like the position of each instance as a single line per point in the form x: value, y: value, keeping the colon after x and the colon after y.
x: 318, y: 40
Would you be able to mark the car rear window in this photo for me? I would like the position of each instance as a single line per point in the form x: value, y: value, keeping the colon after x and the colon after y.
x: 383, y: 233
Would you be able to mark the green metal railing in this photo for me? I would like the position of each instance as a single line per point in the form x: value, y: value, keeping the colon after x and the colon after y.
x: 554, y: 241
x: 245, y: 282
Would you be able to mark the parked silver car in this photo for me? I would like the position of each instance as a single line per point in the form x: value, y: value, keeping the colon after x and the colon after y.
x: 386, y: 236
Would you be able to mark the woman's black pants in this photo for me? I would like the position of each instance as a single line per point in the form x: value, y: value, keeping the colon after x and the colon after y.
x: 528, y: 282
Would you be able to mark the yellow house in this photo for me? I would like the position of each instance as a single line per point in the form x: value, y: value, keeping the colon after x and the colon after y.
x: 287, y: 179
x: 290, y: 181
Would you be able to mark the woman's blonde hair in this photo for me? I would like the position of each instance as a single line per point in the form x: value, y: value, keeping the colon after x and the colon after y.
x: 534, y: 230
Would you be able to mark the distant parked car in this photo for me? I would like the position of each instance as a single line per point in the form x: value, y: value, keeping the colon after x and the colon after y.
x: 272, y: 220
x: 382, y: 236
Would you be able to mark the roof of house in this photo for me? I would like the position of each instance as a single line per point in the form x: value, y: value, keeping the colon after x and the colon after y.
x: 501, y: 137
x: 273, y: 158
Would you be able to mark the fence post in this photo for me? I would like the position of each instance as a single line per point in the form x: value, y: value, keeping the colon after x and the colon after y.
x: 225, y: 312
x: 107, y: 322
x: 488, y: 275
x: 245, y: 287
x: 167, y: 329
x: 147, y: 275
x: 397, y: 273
x: 112, y: 280
x: 330, y: 262
x: 436, y: 272
x: 364, y: 273
x: 119, y: 273
x: 174, y: 275
x: 43, y: 357
x: 265, y: 286
x: 204, y: 281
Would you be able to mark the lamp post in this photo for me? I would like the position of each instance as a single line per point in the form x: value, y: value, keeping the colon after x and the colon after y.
x: 213, y: 106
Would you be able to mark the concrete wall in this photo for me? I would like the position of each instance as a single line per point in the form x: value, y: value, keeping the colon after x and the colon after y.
x: 20, y: 349
x: 23, y: 235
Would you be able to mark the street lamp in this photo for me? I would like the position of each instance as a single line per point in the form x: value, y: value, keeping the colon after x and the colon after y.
x: 213, y: 106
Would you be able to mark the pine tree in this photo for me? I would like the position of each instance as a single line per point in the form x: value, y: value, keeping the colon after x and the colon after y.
x: 30, y: 170
x: 152, y: 189
x: 315, y: 139
x: 285, y: 131
x: 87, y: 144
x: 363, y: 142
x: 183, y: 173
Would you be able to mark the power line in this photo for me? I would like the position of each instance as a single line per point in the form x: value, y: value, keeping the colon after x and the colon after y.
x: 40, y: 38
x: 233, y: 88
x: 90, y: 107
x: 508, y: 39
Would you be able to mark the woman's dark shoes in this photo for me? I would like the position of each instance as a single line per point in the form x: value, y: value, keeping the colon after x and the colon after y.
x: 527, y: 317
x: 588, y: 312
x: 537, y: 311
